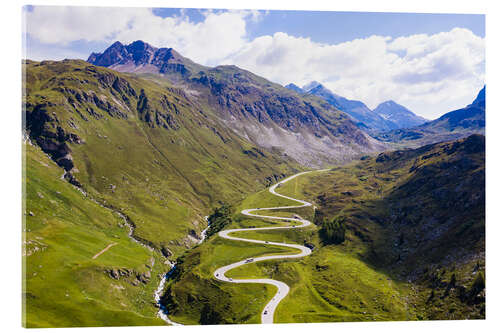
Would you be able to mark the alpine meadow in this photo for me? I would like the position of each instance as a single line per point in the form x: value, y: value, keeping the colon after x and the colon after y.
x: 201, y: 167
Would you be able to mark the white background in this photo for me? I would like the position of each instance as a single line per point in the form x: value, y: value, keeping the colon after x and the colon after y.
x: 10, y: 150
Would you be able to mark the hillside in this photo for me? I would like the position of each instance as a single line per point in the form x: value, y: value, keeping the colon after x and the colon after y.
x: 66, y: 276
x: 146, y: 149
x: 452, y: 125
x: 418, y: 215
x: 137, y: 153
x: 305, y: 128
x: 413, y: 246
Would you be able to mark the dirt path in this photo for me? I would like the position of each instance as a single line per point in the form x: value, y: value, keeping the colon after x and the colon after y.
x: 104, y: 250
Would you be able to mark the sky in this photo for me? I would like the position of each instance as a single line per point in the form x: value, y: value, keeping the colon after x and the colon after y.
x: 430, y: 63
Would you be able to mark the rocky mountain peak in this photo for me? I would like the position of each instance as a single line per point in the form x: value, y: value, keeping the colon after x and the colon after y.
x: 399, y: 115
x: 116, y: 53
x: 141, y: 52
x: 294, y: 87
x: 481, y: 97
x: 312, y: 85
x: 116, y: 44
x: 389, y: 103
x: 390, y: 107
x: 140, y: 56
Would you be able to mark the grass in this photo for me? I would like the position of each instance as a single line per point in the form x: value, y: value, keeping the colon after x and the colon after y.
x: 413, y: 214
x: 299, y: 235
x: 312, y: 298
x: 165, y: 165
x: 331, y: 285
x: 263, y: 199
x: 389, y: 202
x: 194, y: 286
x: 62, y: 285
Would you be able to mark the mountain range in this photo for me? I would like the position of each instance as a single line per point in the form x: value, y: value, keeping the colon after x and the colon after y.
x: 138, y: 152
x: 386, y: 116
x: 264, y: 113
x: 450, y: 126
x: 127, y: 153
x: 141, y: 143
x: 169, y: 141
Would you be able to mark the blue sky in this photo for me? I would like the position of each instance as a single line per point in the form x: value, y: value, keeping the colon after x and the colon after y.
x: 431, y: 63
x: 337, y: 27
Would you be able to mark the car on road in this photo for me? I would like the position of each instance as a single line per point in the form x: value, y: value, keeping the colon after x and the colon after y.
x: 267, y: 242
x: 309, y: 245
x: 265, y: 312
x: 249, y: 260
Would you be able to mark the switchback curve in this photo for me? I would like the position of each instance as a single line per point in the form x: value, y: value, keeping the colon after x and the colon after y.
x: 267, y: 316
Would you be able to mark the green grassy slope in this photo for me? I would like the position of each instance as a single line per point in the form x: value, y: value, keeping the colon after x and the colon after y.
x: 332, y: 284
x: 143, y: 148
x: 417, y: 214
x: 63, y: 231
x: 193, y: 291
x: 414, y: 245
x: 146, y: 148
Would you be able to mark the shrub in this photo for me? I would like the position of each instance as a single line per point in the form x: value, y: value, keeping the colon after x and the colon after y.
x: 478, y: 285
x: 219, y: 219
x: 319, y: 217
x: 333, y: 231
x: 209, y: 316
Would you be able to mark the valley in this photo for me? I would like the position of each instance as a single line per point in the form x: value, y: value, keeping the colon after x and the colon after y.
x: 150, y: 181
x: 374, y: 274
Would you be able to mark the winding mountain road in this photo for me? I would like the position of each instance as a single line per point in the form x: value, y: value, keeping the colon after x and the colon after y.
x: 267, y: 315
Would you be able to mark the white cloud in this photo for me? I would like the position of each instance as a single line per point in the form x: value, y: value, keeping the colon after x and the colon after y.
x: 430, y: 74
x: 219, y: 34
x: 61, y: 25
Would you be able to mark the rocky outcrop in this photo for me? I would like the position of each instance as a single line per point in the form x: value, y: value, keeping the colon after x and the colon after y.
x: 45, y: 129
x: 129, y: 275
x: 154, y: 117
